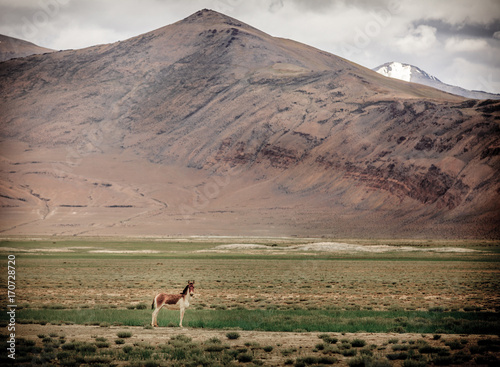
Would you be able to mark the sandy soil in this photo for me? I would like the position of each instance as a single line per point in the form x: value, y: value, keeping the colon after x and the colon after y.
x: 335, y: 247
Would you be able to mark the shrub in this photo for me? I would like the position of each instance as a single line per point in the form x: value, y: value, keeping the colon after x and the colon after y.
x: 64, y: 355
x: 345, y: 345
x: 29, y: 342
x: 454, y: 344
x: 328, y: 339
x: 233, y: 335
x: 181, y: 338
x: 489, y: 360
x: 119, y: 341
x: 245, y: 357
x: 127, y: 349
x: 358, y: 343
x: 366, y: 352
x: 398, y: 347
x: 124, y: 334
x: 364, y: 361
x: 489, y: 345
x: 288, y: 351
x: 69, y: 346
x: 327, y: 360
x: 102, y: 344
x: 214, y: 348
x: 396, y: 356
x: 436, y: 309
x: 398, y: 329
x: 320, y: 346
x: 413, y: 363
x: 98, y: 360
x: 268, y: 349
x: 349, y: 352
x: 428, y: 349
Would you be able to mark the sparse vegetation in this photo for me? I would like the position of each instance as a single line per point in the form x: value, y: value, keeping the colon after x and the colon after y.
x: 182, y: 350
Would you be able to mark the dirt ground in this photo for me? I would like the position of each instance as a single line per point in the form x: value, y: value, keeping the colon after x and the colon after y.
x: 303, y: 343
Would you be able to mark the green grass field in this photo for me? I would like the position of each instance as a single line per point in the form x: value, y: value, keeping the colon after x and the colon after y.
x: 281, y: 320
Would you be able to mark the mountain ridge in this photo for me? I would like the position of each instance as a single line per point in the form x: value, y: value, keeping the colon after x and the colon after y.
x: 11, y: 47
x: 208, y: 126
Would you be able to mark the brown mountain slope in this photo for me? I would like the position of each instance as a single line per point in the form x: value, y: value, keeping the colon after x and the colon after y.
x: 11, y: 48
x: 209, y: 126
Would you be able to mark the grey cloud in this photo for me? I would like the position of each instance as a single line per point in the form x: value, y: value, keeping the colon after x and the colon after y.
x: 471, y: 29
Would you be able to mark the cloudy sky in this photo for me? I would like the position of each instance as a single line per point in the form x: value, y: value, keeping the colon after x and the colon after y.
x: 457, y: 41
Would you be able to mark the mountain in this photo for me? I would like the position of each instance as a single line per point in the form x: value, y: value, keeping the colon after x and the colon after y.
x: 209, y: 126
x: 410, y: 73
x: 11, y: 48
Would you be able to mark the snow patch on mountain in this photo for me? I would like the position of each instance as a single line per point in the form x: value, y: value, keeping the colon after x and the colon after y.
x: 406, y: 72
x: 396, y: 70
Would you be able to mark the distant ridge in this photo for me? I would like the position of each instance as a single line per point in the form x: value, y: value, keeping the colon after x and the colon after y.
x: 11, y: 48
x: 410, y: 73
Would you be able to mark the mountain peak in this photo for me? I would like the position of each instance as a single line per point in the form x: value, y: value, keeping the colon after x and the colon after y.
x: 210, y: 16
x: 402, y: 71
x: 414, y: 74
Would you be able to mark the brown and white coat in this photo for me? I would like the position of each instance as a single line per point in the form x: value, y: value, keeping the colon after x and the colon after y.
x: 178, y: 300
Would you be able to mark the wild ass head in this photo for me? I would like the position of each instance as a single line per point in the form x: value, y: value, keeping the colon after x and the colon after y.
x: 191, y: 287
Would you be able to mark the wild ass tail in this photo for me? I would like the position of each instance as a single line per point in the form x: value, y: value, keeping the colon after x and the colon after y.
x: 153, y: 304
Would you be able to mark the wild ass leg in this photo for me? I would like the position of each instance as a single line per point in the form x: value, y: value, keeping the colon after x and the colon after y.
x: 182, y: 315
x: 154, y: 321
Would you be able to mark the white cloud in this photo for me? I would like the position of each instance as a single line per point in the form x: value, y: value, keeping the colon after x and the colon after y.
x: 420, y: 39
x: 456, y: 44
x: 471, y: 75
x: 81, y: 37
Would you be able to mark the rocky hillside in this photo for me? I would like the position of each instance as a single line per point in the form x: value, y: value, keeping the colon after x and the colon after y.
x: 210, y: 126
